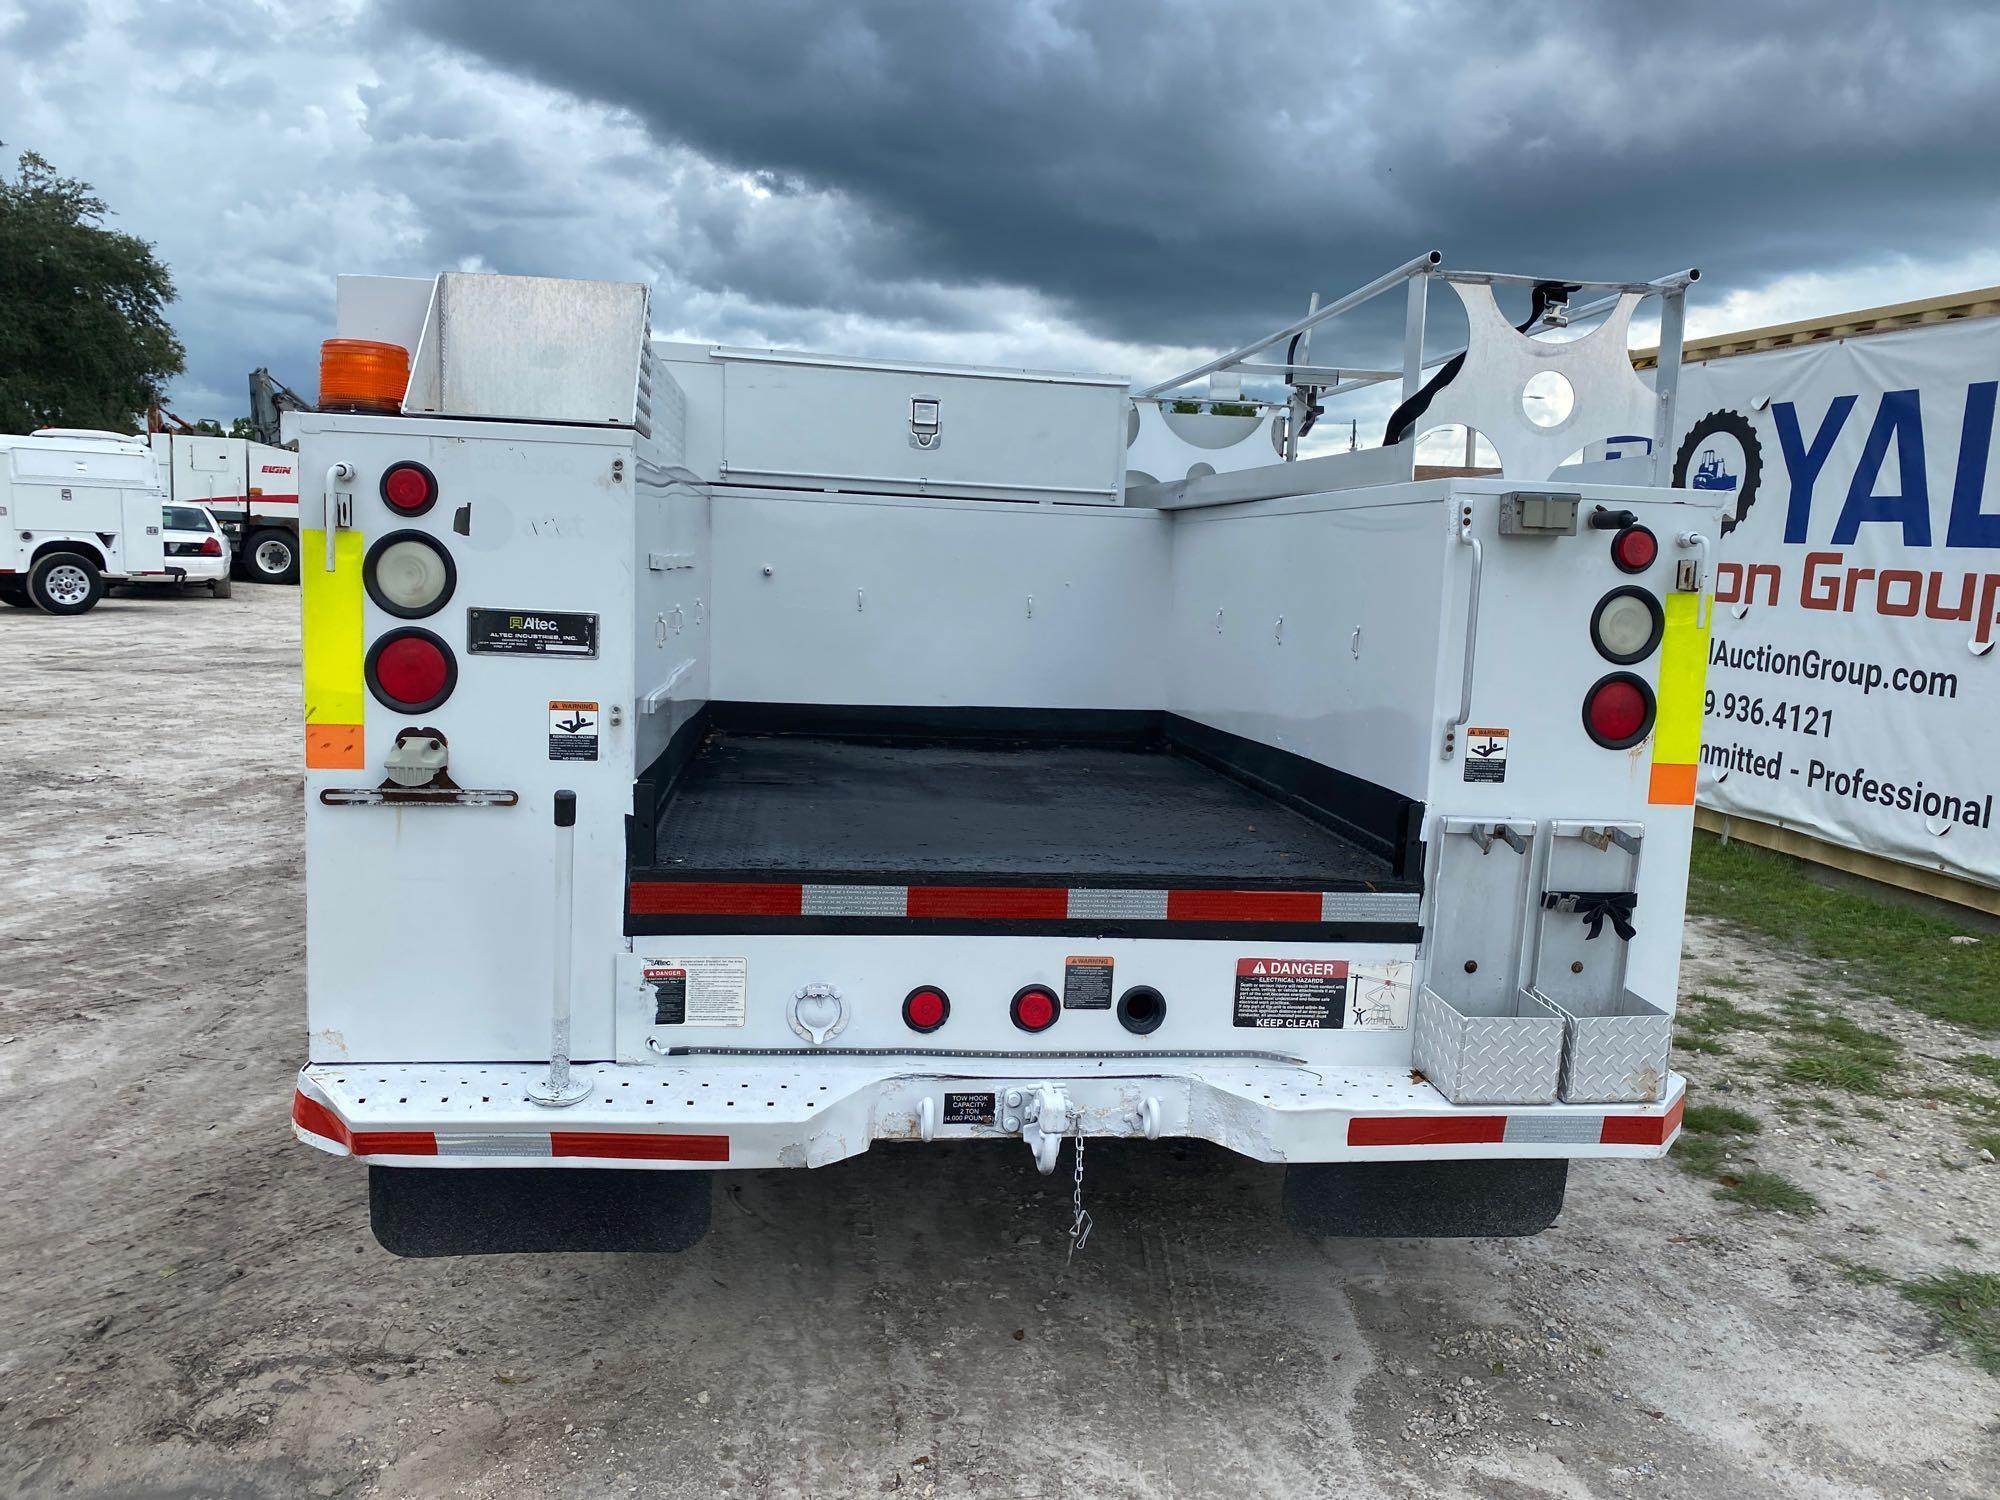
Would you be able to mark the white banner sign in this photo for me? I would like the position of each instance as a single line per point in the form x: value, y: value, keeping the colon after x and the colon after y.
x: 1852, y: 678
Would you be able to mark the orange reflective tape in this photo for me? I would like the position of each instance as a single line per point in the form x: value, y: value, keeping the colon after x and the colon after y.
x: 334, y: 747
x: 1672, y: 785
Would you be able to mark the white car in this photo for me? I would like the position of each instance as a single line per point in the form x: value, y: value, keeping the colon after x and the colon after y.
x: 196, y: 550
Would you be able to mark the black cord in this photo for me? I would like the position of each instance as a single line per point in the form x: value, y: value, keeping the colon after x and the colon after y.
x: 1404, y: 418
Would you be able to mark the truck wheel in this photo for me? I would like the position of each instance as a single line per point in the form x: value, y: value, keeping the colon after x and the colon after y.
x: 65, y: 583
x: 425, y: 1211
x: 219, y: 588
x: 1424, y: 1199
x: 272, y: 556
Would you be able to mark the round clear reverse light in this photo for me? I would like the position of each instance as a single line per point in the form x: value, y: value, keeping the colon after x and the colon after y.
x: 409, y: 574
x: 1625, y: 627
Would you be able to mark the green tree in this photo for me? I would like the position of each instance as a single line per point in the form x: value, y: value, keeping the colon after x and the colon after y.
x: 84, y: 340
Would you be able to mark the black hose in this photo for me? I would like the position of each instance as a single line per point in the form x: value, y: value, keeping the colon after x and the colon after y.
x: 1404, y: 418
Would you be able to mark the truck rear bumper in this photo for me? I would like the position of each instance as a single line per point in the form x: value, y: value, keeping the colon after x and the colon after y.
x: 762, y: 1112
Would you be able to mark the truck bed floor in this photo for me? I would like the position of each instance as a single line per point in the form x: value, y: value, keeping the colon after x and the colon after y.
x: 753, y: 805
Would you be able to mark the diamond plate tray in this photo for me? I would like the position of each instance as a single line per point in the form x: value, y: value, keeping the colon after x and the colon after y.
x: 1505, y: 1050
x: 1614, y: 1051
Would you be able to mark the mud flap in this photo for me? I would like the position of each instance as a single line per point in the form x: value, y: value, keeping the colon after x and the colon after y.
x: 1424, y: 1199
x: 421, y: 1212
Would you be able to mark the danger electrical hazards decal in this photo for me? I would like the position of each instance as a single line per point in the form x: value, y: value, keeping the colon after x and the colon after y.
x: 1322, y: 994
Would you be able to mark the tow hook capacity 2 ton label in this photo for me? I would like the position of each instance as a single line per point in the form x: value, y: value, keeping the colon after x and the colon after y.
x: 1291, y: 994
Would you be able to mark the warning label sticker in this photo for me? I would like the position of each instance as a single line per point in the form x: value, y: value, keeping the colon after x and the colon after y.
x: 968, y: 1109
x: 698, y: 991
x: 1485, y: 755
x: 1378, y: 995
x: 1292, y: 994
x: 1086, y: 983
x: 572, y: 730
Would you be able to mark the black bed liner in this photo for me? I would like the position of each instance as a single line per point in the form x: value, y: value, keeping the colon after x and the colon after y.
x: 755, y: 803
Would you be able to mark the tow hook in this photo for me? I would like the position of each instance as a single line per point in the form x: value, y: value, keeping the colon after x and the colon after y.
x: 1046, y: 1117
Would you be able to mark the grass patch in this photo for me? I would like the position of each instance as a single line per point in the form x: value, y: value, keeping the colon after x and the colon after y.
x: 1686, y: 1042
x: 1711, y: 1015
x: 1835, y: 1070
x: 1872, y: 1112
x: 1719, y: 1119
x: 1699, y: 1155
x: 1767, y: 1192
x: 1857, y: 1273
x: 1907, y: 954
x: 1981, y: 1066
x: 1985, y: 1140
x: 1966, y: 1304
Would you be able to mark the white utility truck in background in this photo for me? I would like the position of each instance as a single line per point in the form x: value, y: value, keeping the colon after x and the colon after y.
x: 727, y: 758
x: 251, y: 488
x: 79, y: 510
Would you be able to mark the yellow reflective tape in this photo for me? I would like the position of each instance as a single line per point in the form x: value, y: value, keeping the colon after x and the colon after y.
x: 335, y: 695
x: 1683, y: 681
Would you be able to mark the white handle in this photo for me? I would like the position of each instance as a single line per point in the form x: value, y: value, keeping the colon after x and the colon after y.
x: 1464, y: 717
x: 336, y: 474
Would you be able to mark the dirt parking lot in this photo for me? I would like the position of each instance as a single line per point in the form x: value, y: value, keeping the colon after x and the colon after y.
x: 194, y: 1305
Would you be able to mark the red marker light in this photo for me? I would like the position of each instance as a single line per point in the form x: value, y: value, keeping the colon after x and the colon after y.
x: 211, y: 548
x: 1635, y: 549
x: 925, y: 1008
x: 411, y: 671
x: 1618, y: 711
x: 409, y: 487
x: 1035, y: 1008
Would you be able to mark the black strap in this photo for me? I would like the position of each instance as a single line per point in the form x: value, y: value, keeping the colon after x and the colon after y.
x: 1596, y: 908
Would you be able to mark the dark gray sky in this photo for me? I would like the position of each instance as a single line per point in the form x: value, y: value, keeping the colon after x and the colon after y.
x: 1105, y: 183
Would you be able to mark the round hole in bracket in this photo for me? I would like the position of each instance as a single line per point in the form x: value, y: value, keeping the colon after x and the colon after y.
x: 1472, y: 966
x: 1548, y: 398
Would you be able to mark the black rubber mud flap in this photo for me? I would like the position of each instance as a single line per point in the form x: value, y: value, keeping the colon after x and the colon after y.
x: 426, y: 1211
x: 1424, y: 1199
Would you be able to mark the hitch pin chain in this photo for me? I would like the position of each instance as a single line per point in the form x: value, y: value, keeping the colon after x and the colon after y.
x: 1080, y: 1223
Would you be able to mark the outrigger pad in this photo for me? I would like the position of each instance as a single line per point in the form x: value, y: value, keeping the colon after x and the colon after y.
x: 425, y: 1211
x: 1424, y: 1199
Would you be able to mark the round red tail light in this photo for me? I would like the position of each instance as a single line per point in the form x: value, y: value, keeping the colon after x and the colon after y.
x: 1618, y: 711
x: 926, y: 1008
x: 409, y: 487
x: 1634, y: 549
x: 1035, y: 1008
x: 411, y: 671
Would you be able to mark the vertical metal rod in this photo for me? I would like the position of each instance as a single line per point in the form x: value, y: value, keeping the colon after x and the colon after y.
x: 1667, y: 381
x: 329, y: 499
x: 559, y: 1087
x: 1296, y: 406
x: 1413, y: 335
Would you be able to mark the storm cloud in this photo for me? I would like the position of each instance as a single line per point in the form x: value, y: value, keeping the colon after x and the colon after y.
x: 1115, y: 185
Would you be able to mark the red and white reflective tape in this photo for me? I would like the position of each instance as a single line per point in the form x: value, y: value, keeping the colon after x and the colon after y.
x: 673, y: 898
x: 315, y: 1119
x: 1564, y: 1129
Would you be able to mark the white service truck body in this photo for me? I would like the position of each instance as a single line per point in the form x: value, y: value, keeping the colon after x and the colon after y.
x: 251, y: 488
x: 725, y: 759
x: 78, y: 510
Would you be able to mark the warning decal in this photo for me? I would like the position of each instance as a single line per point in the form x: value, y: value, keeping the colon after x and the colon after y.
x: 1086, y: 983
x: 968, y: 1109
x: 1485, y: 755
x: 572, y: 730
x: 1378, y: 995
x: 697, y: 991
x: 1291, y: 993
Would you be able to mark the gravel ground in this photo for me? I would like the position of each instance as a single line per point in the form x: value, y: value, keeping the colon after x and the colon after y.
x: 194, y: 1305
